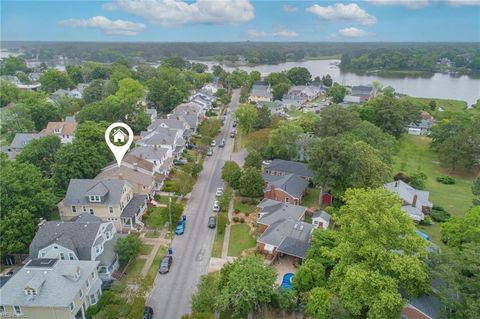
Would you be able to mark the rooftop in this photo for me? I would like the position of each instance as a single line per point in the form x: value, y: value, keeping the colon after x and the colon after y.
x: 292, y: 167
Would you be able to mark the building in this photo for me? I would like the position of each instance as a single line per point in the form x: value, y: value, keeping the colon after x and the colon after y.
x: 415, y: 202
x: 191, y: 113
x: 287, y: 188
x: 19, y: 142
x: 64, y: 130
x: 110, y: 200
x: 260, y: 92
x: 270, y: 211
x: 51, y: 288
x: 280, y: 167
x: 321, y: 219
x: 422, y: 127
x: 85, y: 238
x: 301, y: 94
x: 171, y: 139
x: 423, y: 307
x: 155, y: 155
x: 360, y: 94
x: 203, y: 100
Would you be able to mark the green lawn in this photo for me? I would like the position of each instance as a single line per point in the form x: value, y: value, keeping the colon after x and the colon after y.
x: 311, y: 199
x: 164, y: 199
x: 240, y: 239
x: 218, y: 245
x: 152, y: 272
x: 146, y: 249
x: 446, y: 105
x: 413, y: 154
x: 152, y: 234
x: 134, y: 270
x: 241, y: 207
x: 155, y: 217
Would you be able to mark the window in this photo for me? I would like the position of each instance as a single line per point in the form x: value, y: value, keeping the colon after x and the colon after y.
x: 74, y: 209
x: 71, y: 306
x: 84, y: 208
x: 94, y: 198
x: 87, y: 283
x: 71, y: 256
x: 17, y: 311
x: 93, y: 299
x: 2, y: 310
x: 91, y: 211
x: 30, y: 292
x: 80, y: 293
x: 110, y: 209
x: 62, y: 256
x: 286, y: 199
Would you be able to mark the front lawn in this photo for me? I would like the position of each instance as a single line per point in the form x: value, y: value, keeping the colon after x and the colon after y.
x: 164, y: 199
x: 240, y: 239
x: 247, y: 208
x: 134, y: 270
x: 156, y: 218
x: 146, y: 249
x: 152, y: 234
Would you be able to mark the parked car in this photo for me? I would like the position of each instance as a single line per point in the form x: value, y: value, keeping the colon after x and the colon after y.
x: 234, y: 124
x: 212, y: 222
x: 222, y: 143
x: 147, y: 313
x: 213, y: 144
x: 180, y: 229
x: 210, y: 152
x: 166, y: 264
x: 232, y: 134
x: 219, y: 192
x: 180, y: 162
x: 216, y: 206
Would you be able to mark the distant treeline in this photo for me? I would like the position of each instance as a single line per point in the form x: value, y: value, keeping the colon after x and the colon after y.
x: 356, y: 56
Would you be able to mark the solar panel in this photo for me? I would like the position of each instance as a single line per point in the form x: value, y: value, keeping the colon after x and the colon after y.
x: 42, y: 262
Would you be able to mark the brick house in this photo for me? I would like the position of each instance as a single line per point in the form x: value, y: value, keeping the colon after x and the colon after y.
x: 280, y: 167
x: 288, y: 188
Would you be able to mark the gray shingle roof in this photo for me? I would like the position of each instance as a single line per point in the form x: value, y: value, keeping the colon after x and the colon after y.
x: 22, y: 139
x: 273, y: 211
x: 172, y: 123
x: 79, y: 188
x: 290, y: 183
x: 148, y: 152
x: 322, y: 214
x: 159, y: 136
x: 362, y: 90
x: 291, y: 167
x: 134, y: 205
x: 57, y: 290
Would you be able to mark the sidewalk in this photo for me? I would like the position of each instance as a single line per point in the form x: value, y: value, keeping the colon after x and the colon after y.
x: 157, y: 243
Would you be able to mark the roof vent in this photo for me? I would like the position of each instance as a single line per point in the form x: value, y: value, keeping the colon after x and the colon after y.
x: 295, y: 227
x: 301, y: 227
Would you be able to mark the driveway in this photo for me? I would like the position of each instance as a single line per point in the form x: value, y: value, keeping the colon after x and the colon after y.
x: 171, y: 295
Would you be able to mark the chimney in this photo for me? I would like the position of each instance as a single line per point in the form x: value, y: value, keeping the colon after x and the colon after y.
x: 414, y: 201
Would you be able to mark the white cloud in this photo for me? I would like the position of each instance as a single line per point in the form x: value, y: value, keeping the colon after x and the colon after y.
x: 353, y: 33
x: 177, y: 12
x: 412, y: 4
x: 284, y: 33
x: 109, y: 27
x: 463, y: 2
x: 289, y: 8
x: 342, y: 12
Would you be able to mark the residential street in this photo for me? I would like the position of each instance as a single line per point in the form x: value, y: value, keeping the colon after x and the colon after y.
x: 171, y: 295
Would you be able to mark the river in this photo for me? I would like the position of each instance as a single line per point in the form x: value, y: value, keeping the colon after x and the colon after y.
x: 439, y: 85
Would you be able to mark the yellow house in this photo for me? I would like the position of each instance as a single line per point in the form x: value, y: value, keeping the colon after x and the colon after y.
x: 260, y: 93
x: 110, y: 200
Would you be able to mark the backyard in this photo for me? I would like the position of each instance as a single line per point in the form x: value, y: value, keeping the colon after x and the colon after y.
x: 240, y: 239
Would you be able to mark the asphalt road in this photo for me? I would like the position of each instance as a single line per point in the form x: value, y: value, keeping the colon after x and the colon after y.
x: 171, y: 295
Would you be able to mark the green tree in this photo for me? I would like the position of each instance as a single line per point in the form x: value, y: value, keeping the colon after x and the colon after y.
x: 183, y: 183
x: 337, y: 92
x: 459, y: 230
x: 12, y: 64
x: 204, y: 300
x: 253, y: 159
x: 8, y: 93
x: 251, y: 183
x: 418, y: 180
x: 16, y: 120
x: 247, y: 117
x: 129, y: 91
x: 299, y: 75
x: 231, y: 173
x: 18, y: 228
x: 94, y: 92
x: 52, y: 80
x: 283, y: 141
x: 127, y: 248
x: 74, y: 73
x: 245, y: 285
x: 279, y: 90
x: 94, y: 133
x: 327, y: 80
x: 476, y: 191
x: 318, y: 303
x: 41, y: 153
x: 264, y: 117
x: 310, y: 275
x: 336, y: 120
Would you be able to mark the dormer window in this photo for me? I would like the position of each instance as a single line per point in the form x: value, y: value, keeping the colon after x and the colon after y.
x: 95, y: 198
x: 30, y: 292
x: 56, y: 130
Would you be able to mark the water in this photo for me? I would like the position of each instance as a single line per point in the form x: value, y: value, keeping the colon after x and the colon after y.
x: 440, y: 85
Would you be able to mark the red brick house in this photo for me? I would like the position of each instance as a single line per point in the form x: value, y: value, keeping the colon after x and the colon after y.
x: 288, y: 188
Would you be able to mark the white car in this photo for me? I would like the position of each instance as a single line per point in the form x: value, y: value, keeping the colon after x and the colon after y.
x: 219, y: 192
x: 213, y: 144
x: 216, y: 206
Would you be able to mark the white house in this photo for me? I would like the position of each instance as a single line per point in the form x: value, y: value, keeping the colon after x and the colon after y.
x: 321, y: 219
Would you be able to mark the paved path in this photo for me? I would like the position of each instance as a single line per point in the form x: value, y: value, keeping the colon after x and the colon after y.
x: 157, y: 243
x: 171, y: 295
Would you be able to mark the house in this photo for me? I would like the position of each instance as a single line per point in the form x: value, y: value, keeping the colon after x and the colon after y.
x: 19, y: 142
x: 155, y: 155
x: 152, y: 113
x: 415, y: 202
x: 270, y: 211
x: 85, y: 238
x: 260, y: 92
x: 177, y: 123
x: 360, y: 94
x: 421, y: 128
x: 170, y: 139
x: 64, y: 130
x: 203, y: 100
x: 301, y: 94
x: 110, y: 200
x: 192, y: 113
x: 321, y: 219
x: 138, y: 172
x: 210, y: 89
x: 119, y: 136
x: 287, y: 188
x: 49, y: 288
x: 280, y: 167
x: 422, y: 307
x: 75, y: 93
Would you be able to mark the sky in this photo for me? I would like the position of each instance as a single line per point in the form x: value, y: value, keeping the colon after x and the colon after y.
x: 241, y: 20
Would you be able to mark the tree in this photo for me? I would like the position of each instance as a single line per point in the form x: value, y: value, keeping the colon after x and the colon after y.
x: 231, y: 173
x: 299, y: 75
x: 8, y: 93
x: 336, y: 120
x: 282, y: 142
x: 94, y: 92
x: 204, y: 300
x: 418, y: 180
x: 74, y: 73
x: 23, y: 187
x: 41, y: 153
x: 12, y: 64
x: 253, y: 159
x: 318, y: 303
x: 18, y: 228
x: 245, y: 285
x: 309, y: 276
x: 94, y: 133
x: 459, y: 230
x: 476, y: 191
x: 251, y: 183
x: 173, y: 97
x: 337, y: 92
x: 183, y: 183
x: 264, y: 117
x: 52, y: 80
x: 279, y: 90
x: 127, y: 248
x: 327, y: 80
x: 129, y: 91
x: 247, y: 117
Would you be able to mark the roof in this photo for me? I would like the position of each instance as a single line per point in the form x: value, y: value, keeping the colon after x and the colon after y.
x: 290, y: 236
x: 430, y: 304
x: 173, y: 123
x: 78, y: 236
x: 362, y: 90
x: 159, y: 136
x: 22, y: 139
x: 79, y: 188
x: 134, y: 177
x: 260, y: 90
x: 423, y: 124
x: 134, y: 205
x: 66, y: 128
x: 292, y: 167
x: 290, y: 183
x: 149, y: 153
x: 407, y: 193
x: 57, y: 289
x: 322, y: 214
x: 273, y: 211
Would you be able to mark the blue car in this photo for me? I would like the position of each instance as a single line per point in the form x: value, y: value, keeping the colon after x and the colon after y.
x: 181, y: 226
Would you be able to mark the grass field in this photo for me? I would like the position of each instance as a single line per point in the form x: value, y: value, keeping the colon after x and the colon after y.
x: 155, y: 217
x: 413, y: 154
x: 218, y: 245
x: 243, y: 208
x: 146, y: 249
x: 152, y: 234
x: 134, y: 270
x: 446, y: 105
x: 240, y: 239
x: 311, y: 199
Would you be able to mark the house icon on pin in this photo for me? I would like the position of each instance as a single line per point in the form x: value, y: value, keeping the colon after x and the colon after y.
x: 119, y: 136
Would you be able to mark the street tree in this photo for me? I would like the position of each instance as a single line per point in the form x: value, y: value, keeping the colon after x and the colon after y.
x: 231, y: 173
x: 247, y: 116
x: 253, y: 159
x: 264, y: 117
x: 127, y: 248
x: 251, y: 183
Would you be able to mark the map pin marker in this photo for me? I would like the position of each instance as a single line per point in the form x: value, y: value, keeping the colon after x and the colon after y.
x: 120, y: 138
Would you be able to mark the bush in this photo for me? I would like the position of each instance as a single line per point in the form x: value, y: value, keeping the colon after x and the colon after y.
x: 236, y: 211
x: 439, y: 214
x: 418, y: 180
x: 427, y: 221
x: 236, y: 219
x: 242, y: 220
x: 137, y: 308
x: 402, y: 177
x: 445, y: 179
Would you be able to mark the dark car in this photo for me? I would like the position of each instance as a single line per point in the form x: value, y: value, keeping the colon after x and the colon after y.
x: 180, y: 162
x: 165, y: 264
x: 234, y: 124
x: 147, y: 313
x: 212, y: 222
